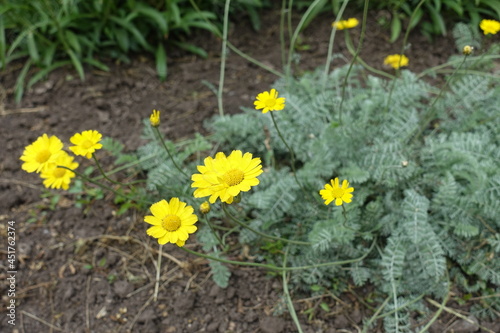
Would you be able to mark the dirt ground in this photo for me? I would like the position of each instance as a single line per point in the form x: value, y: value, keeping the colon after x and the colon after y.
x: 56, y: 291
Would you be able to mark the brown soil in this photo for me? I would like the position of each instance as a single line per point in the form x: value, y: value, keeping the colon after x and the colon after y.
x: 56, y: 291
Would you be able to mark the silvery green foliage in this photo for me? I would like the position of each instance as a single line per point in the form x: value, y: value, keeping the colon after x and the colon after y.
x: 426, y: 203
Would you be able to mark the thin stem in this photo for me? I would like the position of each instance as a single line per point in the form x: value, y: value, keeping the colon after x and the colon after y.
x: 296, y: 34
x: 361, y: 37
x: 213, y: 231
x: 330, y: 44
x: 282, y: 33
x: 85, y: 178
x: 279, y: 269
x: 403, y: 48
x: 292, y: 154
x: 286, y: 292
x: 223, y: 57
x: 103, y: 173
x: 432, y: 111
x: 441, y: 308
x: 158, y: 269
x: 158, y: 134
x: 350, y: 48
x: 237, y: 221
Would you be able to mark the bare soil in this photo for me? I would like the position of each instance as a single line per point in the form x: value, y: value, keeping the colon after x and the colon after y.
x: 57, y: 291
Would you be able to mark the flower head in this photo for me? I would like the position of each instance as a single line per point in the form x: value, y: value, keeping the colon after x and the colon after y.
x: 225, y: 177
x: 41, y: 154
x: 489, y: 26
x: 154, y: 118
x: 467, y: 50
x: 55, y: 177
x: 172, y: 221
x: 396, y: 60
x: 345, y: 24
x: 334, y: 191
x: 86, y: 143
x: 269, y: 101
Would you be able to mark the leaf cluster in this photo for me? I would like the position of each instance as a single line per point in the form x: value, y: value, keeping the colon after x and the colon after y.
x: 50, y: 34
x: 426, y: 193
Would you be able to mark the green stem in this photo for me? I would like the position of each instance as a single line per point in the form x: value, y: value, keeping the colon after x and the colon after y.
x: 292, y: 154
x: 430, y: 114
x: 330, y: 44
x: 288, y: 298
x: 351, y: 50
x: 158, y: 269
x: 403, y: 48
x: 103, y: 173
x: 158, y: 134
x: 361, y: 37
x: 280, y: 269
x: 223, y: 58
x: 237, y: 221
x: 85, y: 178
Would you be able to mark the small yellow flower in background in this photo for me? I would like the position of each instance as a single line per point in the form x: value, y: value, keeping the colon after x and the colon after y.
x: 41, y: 154
x: 154, y: 118
x: 269, y: 101
x: 467, y: 50
x: 172, y: 221
x: 489, y: 26
x: 346, y: 24
x: 55, y: 177
x: 225, y: 177
x: 396, y: 60
x: 205, y: 207
x: 334, y: 191
x: 86, y: 143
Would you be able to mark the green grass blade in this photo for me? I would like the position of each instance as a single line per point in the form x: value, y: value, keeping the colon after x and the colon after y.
x: 158, y: 18
x: 395, y: 27
x: 192, y: 48
x: 3, y: 56
x: 19, y: 87
x: 133, y: 30
x: 161, y: 62
x: 76, y: 63
x: 45, y: 71
x: 96, y: 63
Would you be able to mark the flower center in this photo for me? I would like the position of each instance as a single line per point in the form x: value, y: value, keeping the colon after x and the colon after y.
x: 233, y: 177
x: 270, y: 102
x: 43, y: 156
x: 59, y: 172
x: 171, y: 222
x: 338, y: 192
x: 87, y: 144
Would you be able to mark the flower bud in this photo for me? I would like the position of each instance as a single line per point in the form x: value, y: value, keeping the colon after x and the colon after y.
x: 467, y: 50
x: 154, y: 118
x: 205, y: 208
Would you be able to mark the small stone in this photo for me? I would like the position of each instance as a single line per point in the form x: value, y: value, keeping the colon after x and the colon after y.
x: 271, y: 324
x: 466, y: 326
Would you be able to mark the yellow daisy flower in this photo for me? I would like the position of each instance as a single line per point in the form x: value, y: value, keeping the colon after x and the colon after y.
x: 225, y: 177
x: 346, y: 24
x: 172, y: 221
x: 396, y: 60
x: 334, y: 191
x: 490, y: 26
x: 154, y: 118
x: 41, y: 154
x: 269, y: 101
x: 59, y: 177
x: 86, y: 143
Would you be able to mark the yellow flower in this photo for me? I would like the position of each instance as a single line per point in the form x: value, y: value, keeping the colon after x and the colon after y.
x: 396, y: 60
x: 205, y: 207
x: 336, y: 192
x: 85, y: 143
x: 489, y: 26
x: 467, y: 50
x: 269, y: 101
x: 41, y: 154
x: 154, y: 118
x: 172, y: 221
x: 59, y: 177
x: 225, y: 177
x: 346, y: 24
